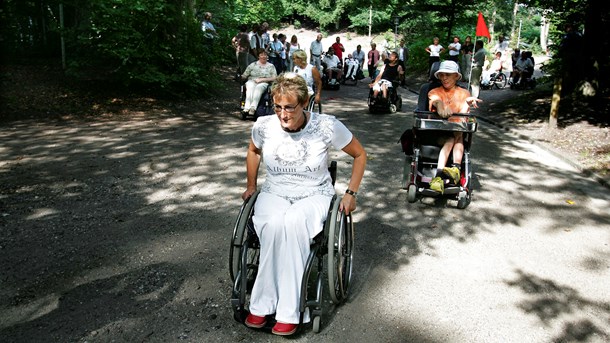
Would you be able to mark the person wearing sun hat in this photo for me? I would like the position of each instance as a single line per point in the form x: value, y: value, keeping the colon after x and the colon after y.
x: 447, y: 100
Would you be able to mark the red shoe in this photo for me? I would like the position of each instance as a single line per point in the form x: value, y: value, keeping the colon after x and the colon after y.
x: 255, y: 322
x: 284, y: 329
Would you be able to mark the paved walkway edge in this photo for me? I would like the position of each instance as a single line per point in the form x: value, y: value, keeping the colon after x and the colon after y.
x: 595, y: 176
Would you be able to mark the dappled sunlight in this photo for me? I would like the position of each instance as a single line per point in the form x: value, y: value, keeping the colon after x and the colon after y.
x: 28, y: 312
x: 137, y: 209
x: 562, y: 307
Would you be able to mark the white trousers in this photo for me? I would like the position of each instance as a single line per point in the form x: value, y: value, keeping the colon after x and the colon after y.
x: 351, y: 70
x: 285, y: 232
x: 254, y: 92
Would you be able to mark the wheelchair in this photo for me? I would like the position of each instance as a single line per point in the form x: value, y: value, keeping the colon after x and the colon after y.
x: 334, y: 83
x: 312, y: 106
x: 498, y: 80
x: 331, y: 254
x: 524, y: 82
x: 421, y: 145
x: 265, y: 105
x: 391, y: 104
x: 357, y: 75
x: 422, y: 156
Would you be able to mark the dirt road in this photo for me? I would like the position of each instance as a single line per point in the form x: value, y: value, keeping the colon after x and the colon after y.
x: 117, y: 229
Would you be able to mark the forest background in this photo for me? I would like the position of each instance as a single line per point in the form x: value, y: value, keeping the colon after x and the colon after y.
x: 157, y: 46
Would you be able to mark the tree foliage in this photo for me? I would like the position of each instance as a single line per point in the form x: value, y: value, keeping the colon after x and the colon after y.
x: 159, y: 44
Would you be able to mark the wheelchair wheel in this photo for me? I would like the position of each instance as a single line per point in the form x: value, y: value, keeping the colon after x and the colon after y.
x: 340, y: 230
x: 412, y: 193
x: 248, y: 268
x: 316, y: 324
x: 392, y: 108
x: 238, y: 239
x: 500, y: 81
x: 313, y: 107
x: 463, y: 200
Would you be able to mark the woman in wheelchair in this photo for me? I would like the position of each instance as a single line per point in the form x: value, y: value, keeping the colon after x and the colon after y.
x: 258, y: 75
x: 311, y: 74
x: 447, y: 100
x: 293, y: 202
x: 390, y: 72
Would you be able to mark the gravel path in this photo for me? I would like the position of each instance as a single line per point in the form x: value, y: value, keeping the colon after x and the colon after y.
x: 117, y: 229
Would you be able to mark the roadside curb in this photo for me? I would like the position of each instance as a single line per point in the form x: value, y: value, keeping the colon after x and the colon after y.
x: 595, y: 176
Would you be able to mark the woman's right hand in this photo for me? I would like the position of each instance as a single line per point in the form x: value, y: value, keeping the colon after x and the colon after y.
x: 248, y: 193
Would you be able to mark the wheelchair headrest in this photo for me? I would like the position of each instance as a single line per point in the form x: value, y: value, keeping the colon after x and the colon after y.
x: 433, y: 69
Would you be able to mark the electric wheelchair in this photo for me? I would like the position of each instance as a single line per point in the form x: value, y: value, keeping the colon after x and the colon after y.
x: 334, y: 83
x: 331, y: 256
x: 422, y: 145
x: 391, y: 104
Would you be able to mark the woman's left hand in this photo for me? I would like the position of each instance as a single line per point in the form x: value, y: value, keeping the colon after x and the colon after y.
x: 473, y: 102
x: 348, y: 204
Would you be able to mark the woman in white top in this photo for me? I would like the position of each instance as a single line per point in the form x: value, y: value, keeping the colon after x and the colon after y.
x: 311, y: 74
x: 293, y: 201
x: 435, y: 51
x: 292, y: 47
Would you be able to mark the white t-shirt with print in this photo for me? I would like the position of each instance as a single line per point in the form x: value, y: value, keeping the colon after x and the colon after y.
x: 297, y: 163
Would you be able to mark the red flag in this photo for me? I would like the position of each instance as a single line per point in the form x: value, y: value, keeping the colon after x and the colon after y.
x: 482, y: 30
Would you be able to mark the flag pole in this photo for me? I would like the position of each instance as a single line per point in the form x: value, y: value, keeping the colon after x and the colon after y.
x: 470, y: 67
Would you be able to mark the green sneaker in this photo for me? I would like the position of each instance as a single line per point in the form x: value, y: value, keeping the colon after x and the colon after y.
x: 437, y: 184
x: 453, y: 173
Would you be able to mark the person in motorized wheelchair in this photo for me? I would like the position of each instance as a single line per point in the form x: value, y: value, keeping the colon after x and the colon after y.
x: 446, y: 101
x: 333, y: 70
x: 293, y: 202
x: 311, y: 74
x: 383, y: 95
x: 258, y: 76
x: 351, y: 67
x: 523, y: 71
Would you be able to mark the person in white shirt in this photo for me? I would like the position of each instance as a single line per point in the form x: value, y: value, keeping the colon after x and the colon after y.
x: 207, y: 27
x: 315, y: 49
x: 494, y: 67
x: 359, y: 55
x: 502, y: 46
x: 352, y: 67
x: 332, y: 65
x: 454, y: 50
x: 435, y: 50
x: 523, y: 68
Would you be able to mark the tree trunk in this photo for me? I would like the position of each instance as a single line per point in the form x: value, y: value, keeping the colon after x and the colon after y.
x: 514, y: 25
x: 555, y: 104
x: 492, y: 21
x: 544, y: 33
